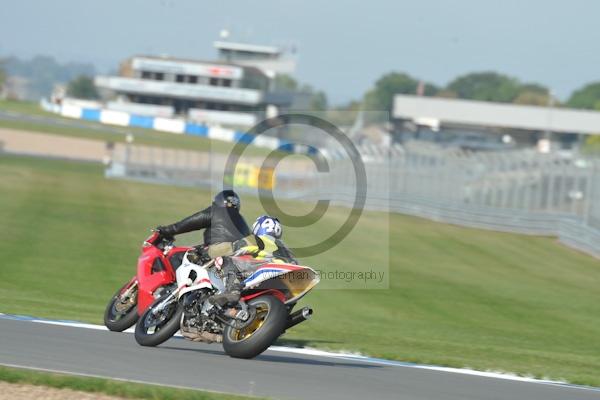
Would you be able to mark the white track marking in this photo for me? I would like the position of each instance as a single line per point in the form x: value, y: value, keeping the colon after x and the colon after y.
x: 326, y: 354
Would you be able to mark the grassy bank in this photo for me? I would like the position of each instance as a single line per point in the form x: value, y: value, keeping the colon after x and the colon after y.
x: 457, y: 296
x: 107, y: 386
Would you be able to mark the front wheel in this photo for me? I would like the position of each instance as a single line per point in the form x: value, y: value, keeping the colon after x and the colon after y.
x: 121, y: 311
x: 268, y: 325
x: 159, y: 322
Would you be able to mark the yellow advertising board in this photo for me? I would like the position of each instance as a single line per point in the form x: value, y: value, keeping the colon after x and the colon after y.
x: 248, y: 175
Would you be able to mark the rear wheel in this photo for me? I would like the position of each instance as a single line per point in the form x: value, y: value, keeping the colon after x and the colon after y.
x: 267, y: 326
x: 121, y: 311
x: 159, y: 322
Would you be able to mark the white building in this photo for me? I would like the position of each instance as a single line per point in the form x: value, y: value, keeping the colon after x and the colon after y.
x: 269, y: 59
x: 441, y: 118
x: 234, y: 90
x: 210, y: 92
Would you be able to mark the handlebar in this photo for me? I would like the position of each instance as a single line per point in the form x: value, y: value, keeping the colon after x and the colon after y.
x: 153, y: 240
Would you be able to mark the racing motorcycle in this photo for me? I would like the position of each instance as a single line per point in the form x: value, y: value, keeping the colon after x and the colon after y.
x: 270, y: 292
x: 155, y: 277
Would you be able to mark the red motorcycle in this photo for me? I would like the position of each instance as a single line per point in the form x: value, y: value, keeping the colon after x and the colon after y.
x: 155, y: 278
x: 270, y: 291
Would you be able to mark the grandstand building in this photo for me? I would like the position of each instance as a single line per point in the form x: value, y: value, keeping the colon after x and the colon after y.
x: 233, y: 90
x: 490, y: 126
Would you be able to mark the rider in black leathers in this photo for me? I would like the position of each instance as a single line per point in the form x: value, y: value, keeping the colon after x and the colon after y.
x: 225, y: 231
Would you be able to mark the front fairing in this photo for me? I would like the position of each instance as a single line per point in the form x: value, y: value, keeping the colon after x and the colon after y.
x: 192, y: 277
x: 149, y: 278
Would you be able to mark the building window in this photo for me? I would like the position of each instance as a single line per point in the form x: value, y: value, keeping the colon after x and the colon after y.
x: 220, y: 82
x: 192, y: 79
x: 158, y: 76
x: 180, y: 78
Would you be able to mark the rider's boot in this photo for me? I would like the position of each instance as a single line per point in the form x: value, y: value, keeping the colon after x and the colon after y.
x: 230, y: 296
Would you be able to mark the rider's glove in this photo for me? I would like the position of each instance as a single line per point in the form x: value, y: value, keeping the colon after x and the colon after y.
x: 164, y: 232
x: 243, y: 242
x: 202, y: 253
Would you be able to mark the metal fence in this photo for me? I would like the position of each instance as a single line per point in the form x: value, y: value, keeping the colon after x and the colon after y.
x: 522, y: 191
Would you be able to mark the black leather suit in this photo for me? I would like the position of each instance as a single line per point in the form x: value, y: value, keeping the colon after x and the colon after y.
x: 224, y: 230
x: 220, y: 224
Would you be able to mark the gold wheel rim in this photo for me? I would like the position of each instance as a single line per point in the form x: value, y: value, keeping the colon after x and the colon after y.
x: 261, y: 315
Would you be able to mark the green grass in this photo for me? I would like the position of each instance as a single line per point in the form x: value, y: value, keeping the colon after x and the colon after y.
x: 25, y: 107
x: 457, y: 296
x: 106, y: 386
x: 91, y: 130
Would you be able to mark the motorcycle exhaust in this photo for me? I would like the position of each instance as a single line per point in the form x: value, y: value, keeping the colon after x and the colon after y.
x: 299, y: 316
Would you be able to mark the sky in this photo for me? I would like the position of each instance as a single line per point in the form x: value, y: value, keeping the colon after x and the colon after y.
x: 343, y: 46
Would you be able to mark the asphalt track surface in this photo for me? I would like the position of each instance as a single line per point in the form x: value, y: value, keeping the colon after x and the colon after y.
x: 280, y: 373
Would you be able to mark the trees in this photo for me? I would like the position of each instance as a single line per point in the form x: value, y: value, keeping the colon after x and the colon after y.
x: 482, y: 86
x: 486, y: 86
x: 285, y: 82
x: 587, y: 97
x: 533, y: 99
x: 42, y: 73
x: 2, y: 76
x: 381, y: 97
x: 492, y: 86
x: 534, y: 94
x: 317, y: 100
x: 82, y: 87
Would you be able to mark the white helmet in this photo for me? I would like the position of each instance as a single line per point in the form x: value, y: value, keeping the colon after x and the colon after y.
x: 266, y: 225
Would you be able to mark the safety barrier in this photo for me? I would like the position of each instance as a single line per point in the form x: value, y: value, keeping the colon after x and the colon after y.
x: 173, y: 125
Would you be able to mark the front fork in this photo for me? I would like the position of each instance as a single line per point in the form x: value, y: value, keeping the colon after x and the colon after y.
x: 161, y: 306
x: 127, y: 292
